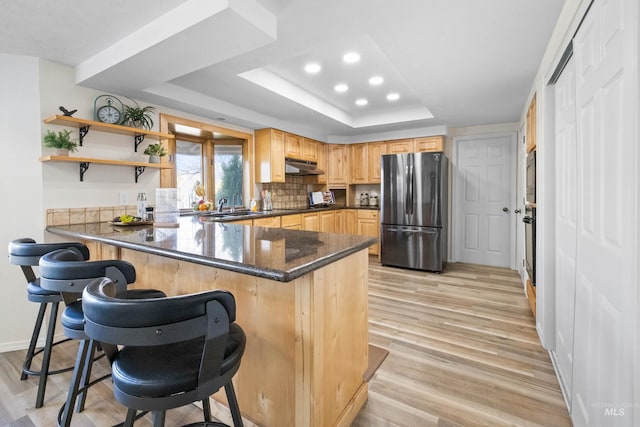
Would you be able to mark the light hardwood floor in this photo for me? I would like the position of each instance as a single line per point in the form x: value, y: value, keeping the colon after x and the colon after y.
x: 463, y: 351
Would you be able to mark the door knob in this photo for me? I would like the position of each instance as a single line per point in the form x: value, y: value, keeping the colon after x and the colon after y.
x: 505, y: 209
x: 517, y: 211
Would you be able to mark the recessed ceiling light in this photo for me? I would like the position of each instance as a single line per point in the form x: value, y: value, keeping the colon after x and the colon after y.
x: 312, y: 68
x: 393, y: 96
x: 376, y: 80
x: 341, y: 87
x: 361, y: 102
x: 351, y: 57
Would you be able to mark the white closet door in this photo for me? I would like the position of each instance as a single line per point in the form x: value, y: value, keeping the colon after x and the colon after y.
x: 606, y: 53
x: 566, y: 222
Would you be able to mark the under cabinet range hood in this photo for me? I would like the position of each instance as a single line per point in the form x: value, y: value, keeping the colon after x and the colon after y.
x: 301, y: 167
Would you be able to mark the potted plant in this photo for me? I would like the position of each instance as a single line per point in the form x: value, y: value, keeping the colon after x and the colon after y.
x: 61, y: 141
x: 140, y: 117
x: 155, y: 151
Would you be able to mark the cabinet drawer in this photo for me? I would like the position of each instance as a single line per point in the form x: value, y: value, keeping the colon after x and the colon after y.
x: 292, y: 221
x: 272, y: 221
x: 368, y: 214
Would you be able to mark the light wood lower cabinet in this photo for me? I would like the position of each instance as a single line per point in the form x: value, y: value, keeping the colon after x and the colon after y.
x: 272, y: 221
x: 368, y: 224
x: 327, y: 221
x: 292, y: 222
x: 349, y: 221
x: 310, y: 222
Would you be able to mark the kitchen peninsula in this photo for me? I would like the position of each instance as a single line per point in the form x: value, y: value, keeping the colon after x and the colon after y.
x: 301, y: 299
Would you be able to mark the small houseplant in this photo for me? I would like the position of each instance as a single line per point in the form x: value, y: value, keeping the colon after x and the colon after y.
x: 155, y: 151
x: 61, y: 141
x: 137, y: 116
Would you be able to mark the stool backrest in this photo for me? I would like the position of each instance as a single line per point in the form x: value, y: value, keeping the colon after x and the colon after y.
x: 65, y: 271
x: 26, y: 253
x: 160, y: 321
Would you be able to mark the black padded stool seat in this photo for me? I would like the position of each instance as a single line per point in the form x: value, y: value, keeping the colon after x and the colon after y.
x: 66, y: 272
x: 172, y: 351
x: 26, y: 253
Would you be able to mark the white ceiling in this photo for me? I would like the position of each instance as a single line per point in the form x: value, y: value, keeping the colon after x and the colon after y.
x: 454, y: 63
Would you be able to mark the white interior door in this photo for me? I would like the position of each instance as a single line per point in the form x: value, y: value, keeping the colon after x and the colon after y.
x: 484, y: 176
x: 566, y: 193
x: 606, y: 55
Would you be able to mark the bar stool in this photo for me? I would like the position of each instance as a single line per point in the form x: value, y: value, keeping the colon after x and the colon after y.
x: 26, y: 253
x: 65, y: 271
x: 171, y: 351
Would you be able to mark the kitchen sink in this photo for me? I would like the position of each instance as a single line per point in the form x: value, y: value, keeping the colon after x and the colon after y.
x: 229, y: 214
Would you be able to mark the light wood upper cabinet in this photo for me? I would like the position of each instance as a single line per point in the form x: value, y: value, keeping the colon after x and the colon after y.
x: 376, y: 150
x: 531, y: 126
x: 359, y: 162
x: 400, y: 146
x: 293, y: 146
x: 309, y: 150
x: 416, y: 145
x: 321, y: 155
x: 429, y: 143
x: 338, y: 164
x: 269, y: 155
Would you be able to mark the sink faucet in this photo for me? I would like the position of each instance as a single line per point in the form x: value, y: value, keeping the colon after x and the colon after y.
x: 233, y: 201
x: 221, y: 202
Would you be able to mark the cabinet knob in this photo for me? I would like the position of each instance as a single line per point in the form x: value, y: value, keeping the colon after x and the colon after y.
x: 505, y: 209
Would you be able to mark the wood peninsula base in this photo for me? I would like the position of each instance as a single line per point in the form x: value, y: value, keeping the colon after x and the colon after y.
x: 307, y: 339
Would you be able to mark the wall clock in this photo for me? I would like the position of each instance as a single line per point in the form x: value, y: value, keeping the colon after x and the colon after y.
x: 108, y: 109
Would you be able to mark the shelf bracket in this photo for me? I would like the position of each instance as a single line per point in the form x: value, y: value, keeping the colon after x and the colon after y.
x: 137, y: 140
x: 83, y: 168
x: 138, y: 171
x: 84, y: 130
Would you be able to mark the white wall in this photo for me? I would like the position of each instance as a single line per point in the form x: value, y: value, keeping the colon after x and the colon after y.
x: 32, y: 90
x: 21, y: 183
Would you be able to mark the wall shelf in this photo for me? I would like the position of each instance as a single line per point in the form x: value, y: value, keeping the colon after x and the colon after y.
x: 84, y: 125
x: 85, y: 162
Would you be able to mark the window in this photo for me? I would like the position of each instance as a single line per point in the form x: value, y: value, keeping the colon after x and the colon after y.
x: 223, y: 180
x: 189, y: 172
x: 228, y: 173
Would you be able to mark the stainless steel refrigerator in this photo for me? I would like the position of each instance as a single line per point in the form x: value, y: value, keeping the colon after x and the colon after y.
x: 414, y: 211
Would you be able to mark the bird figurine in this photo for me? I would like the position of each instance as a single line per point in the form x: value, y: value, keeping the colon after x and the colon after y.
x: 67, y: 112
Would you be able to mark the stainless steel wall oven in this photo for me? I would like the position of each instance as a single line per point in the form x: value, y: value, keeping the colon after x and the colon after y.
x: 530, y: 241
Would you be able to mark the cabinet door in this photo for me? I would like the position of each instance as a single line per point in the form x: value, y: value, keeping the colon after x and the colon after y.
x: 269, y: 155
x: 292, y: 147
x: 321, y: 153
x: 359, y: 163
x: 349, y: 221
x: 428, y: 144
x: 338, y: 164
x: 376, y: 150
x: 310, y: 222
x: 309, y: 150
x: 292, y: 222
x: 400, y: 146
x: 327, y: 221
x: 368, y: 224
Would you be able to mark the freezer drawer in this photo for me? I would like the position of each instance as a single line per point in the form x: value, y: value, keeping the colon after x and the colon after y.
x: 419, y: 248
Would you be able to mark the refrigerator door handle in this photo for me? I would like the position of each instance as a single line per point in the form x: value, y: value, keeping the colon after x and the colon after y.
x: 410, y: 190
x: 407, y: 196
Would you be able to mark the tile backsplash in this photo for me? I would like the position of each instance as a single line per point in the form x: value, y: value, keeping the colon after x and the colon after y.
x: 62, y: 216
x: 288, y: 195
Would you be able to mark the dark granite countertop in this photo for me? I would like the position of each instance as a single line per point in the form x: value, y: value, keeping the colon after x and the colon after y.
x: 227, y: 216
x: 273, y: 253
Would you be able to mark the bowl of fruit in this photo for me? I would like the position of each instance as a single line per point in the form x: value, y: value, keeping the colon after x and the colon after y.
x: 129, y: 220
